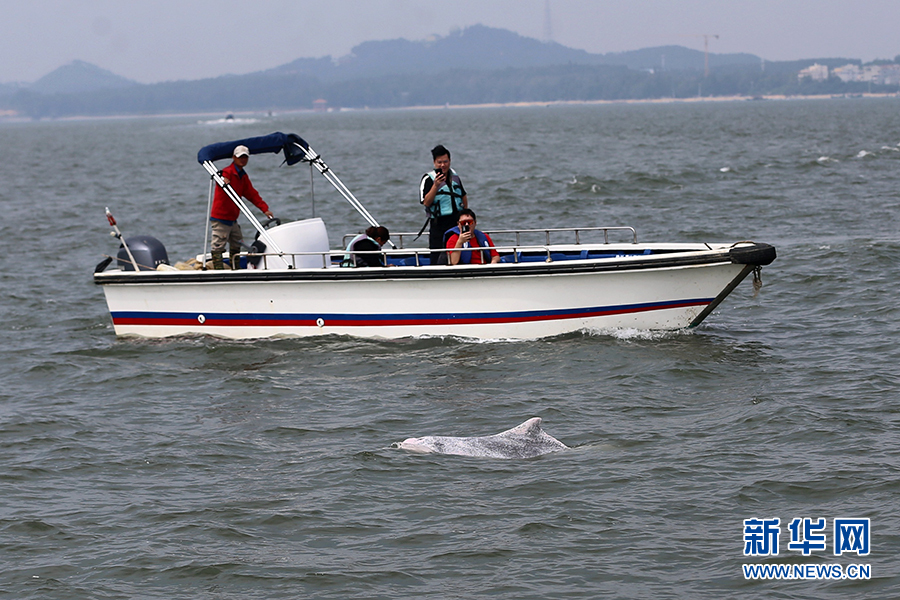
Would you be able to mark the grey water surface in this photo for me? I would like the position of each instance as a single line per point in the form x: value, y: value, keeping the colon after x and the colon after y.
x: 205, y: 468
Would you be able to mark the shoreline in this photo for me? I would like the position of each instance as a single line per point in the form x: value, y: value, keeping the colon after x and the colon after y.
x: 697, y: 99
x: 10, y: 116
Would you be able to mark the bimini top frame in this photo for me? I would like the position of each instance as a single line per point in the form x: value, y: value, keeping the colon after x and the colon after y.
x: 295, y: 150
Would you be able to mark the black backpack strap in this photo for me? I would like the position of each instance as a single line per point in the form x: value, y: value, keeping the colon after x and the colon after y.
x: 427, y: 221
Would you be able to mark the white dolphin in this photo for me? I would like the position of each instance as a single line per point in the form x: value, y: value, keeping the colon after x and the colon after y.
x: 524, y: 441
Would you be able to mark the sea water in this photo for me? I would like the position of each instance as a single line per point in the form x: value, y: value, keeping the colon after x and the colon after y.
x: 204, y: 468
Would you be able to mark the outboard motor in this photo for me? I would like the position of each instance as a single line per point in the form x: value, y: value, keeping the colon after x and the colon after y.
x: 148, y: 253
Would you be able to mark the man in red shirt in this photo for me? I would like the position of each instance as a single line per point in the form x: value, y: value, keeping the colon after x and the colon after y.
x: 225, y: 212
x: 464, y: 237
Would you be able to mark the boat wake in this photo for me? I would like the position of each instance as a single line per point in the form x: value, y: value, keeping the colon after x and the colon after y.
x: 637, y: 334
x: 228, y: 121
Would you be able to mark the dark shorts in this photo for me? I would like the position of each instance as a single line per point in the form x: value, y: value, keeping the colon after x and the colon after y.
x: 439, y: 227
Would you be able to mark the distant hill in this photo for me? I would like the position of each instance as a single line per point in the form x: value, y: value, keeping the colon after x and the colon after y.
x: 483, y: 48
x: 474, y: 48
x: 7, y: 89
x: 78, y: 77
x: 675, y: 58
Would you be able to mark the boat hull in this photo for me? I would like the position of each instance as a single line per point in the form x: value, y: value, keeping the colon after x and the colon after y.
x: 505, y: 301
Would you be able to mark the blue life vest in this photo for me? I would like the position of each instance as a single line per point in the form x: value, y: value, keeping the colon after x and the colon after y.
x: 448, y: 200
x: 465, y: 256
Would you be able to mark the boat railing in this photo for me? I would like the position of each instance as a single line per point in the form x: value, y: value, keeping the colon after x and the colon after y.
x: 518, y: 234
x: 414, y: 256
x: 577, y: 232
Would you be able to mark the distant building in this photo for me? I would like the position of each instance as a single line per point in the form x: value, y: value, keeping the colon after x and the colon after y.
x: 816, y: 72
x: 320, y: 105
x: 872, y: 74
x: 878, y: 74
x: 890, y: 74
x: 848, y: 73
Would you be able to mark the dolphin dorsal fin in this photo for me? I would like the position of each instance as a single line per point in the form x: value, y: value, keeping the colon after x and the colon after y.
x: 531, y: 427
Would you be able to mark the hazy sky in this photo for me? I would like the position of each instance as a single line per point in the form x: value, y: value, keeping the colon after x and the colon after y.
x: 160, y: 40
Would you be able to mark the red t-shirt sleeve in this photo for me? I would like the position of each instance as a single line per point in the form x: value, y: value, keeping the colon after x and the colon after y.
x: 250, y: 193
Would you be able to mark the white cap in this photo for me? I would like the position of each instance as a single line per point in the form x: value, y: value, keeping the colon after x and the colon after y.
x: 241, y: 151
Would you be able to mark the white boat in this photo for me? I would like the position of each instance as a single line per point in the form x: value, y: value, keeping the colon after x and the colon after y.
x: 549, y: 281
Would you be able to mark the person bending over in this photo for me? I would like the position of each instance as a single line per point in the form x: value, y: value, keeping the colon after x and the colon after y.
x: 372, y: 240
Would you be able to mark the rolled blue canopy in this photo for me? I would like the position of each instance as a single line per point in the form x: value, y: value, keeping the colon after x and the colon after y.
x: 293, y: 145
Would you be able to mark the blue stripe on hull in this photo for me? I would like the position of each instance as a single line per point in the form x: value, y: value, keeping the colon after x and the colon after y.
x: 383, y: 320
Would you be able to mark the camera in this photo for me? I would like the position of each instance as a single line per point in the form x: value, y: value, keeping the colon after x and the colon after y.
x: 465, y: 228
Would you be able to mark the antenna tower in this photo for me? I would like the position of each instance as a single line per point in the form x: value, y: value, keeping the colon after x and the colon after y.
x: 706, y: 37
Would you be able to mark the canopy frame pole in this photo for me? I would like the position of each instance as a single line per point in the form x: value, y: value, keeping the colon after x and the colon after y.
x: 206, y: 222
x: 220, y: 181
x: 316, y: 160
x: 312, y: 190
